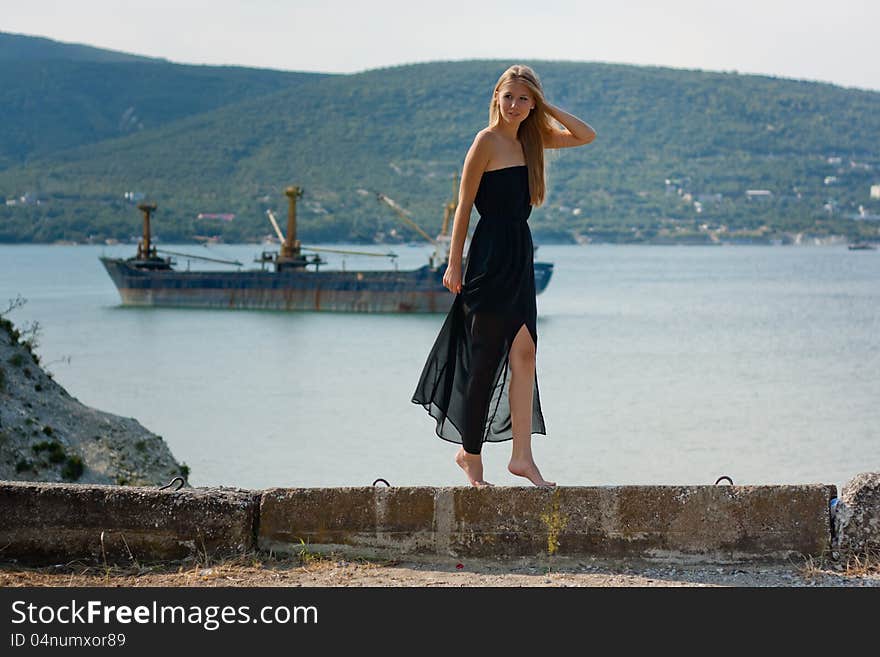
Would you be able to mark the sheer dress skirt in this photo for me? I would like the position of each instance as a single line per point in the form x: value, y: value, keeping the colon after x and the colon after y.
x: 465, y: 382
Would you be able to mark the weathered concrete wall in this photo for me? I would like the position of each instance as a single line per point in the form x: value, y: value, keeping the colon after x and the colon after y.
x: 697, y: 523
x: 712, y: 524
x: 65, y: 522
x: 857, y: 515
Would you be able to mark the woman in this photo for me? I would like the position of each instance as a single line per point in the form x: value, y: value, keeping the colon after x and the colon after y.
x: 479, y: 382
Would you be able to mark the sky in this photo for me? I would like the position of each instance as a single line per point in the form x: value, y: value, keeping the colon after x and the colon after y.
x: 809, y: 40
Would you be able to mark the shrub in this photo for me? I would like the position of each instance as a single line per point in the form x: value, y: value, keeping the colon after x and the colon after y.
x: 72, y: 469
x: 55, y: 450
x: 16, y: 360
x: 23, y: 465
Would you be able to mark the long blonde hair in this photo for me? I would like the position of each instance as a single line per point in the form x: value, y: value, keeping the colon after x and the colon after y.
x: 531, y: 131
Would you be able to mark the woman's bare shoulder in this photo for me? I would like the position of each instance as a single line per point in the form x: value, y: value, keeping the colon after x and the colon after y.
x: 486, y: 142
x: 486, y: 135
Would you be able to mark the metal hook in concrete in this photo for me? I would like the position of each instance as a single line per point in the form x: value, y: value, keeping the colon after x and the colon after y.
x: 722, y: 478
x: 383, y: 481
x: 172, y: 482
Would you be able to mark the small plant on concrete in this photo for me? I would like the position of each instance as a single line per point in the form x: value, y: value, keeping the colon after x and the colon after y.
x: 305, y: 555
x: 555, y: 522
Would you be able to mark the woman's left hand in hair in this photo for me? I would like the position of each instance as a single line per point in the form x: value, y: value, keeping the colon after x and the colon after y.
x: 577, y: 132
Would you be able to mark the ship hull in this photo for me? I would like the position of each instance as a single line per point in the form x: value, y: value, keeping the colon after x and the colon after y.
x: 413, y: 291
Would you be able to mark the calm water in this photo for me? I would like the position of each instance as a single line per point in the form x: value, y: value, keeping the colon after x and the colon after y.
x: 656, y: 365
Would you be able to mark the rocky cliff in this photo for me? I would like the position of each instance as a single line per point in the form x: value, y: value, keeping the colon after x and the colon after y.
x: 47, y: 435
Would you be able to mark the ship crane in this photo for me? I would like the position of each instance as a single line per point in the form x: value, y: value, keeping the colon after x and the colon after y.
x: 443, y: 241
x: 148, y: 255
x: 274, y: 221
x: 291, y: 255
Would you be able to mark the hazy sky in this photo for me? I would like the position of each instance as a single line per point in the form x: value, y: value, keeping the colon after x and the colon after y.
x: 805, y: 39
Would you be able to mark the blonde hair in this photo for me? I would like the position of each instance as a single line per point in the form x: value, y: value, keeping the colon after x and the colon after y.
x: 531, y: 131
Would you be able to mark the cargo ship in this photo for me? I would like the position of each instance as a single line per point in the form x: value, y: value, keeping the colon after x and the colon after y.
x: 290, y: 279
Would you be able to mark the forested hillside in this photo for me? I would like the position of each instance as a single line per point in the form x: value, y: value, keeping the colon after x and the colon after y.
x: 681, y: 155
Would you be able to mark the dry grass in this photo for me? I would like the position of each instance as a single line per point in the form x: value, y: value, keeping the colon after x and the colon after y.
x: 238, y: 570
x: 852, y: 565
x: 248, y: 569
x: 304, y: 566
x: 866, y: 563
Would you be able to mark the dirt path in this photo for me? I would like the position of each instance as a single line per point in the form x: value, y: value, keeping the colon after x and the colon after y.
x: 257, y: 570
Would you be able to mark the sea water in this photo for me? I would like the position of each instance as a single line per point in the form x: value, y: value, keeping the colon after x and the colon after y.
x: 656, y: 365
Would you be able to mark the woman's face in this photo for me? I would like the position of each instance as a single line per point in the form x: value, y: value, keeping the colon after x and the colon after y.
x: 515, y: 101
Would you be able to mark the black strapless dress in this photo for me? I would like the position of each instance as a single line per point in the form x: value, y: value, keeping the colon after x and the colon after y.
x: 464, y: 384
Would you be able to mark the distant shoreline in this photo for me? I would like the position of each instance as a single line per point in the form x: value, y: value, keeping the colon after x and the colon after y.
x: 835, y: 241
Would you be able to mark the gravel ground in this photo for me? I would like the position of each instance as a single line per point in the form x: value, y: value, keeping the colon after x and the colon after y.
x: 257, y: 570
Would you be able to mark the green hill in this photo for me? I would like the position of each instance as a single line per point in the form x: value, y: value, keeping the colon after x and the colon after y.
x: 676, y: 151
x: 22, y: 47
x: 49, y: 103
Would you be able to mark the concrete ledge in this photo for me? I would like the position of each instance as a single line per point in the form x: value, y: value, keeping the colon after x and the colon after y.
x: 716, y: 524
x: 65, y: 522
x: 372, y: 520
x: 710, y: 524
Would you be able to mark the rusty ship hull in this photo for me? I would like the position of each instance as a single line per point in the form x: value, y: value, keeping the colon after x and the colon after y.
x: 381, y: 291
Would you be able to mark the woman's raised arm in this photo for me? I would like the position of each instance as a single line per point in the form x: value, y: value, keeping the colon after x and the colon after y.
x: 577, y: 132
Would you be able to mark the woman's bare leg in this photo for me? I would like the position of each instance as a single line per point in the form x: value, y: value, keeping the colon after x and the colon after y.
x: 487, y: 334
x: 522, y: 381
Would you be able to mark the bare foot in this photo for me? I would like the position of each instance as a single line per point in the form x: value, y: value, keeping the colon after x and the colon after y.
x: 528, y: 469
x: 472, y: 464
